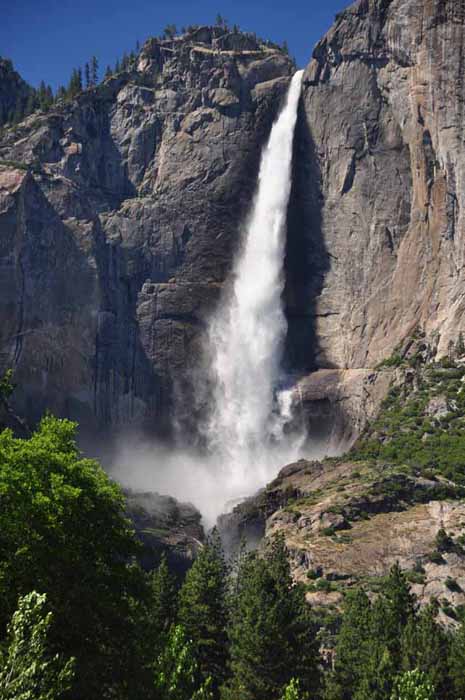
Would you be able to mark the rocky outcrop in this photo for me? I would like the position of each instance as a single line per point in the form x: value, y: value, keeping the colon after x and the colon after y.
x: 119, y: 214
x: 379, y: 198
x: 165, y: 527
x: 347, y: 523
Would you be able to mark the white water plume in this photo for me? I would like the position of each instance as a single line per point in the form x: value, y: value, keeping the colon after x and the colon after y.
x: 247, y: 434
x: 246, y: 335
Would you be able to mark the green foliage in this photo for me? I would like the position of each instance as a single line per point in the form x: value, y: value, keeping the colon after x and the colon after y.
x: 31, y: 671
x: 6, y: 386
x: 293, y: 692
x: 177, y: 674
x: 413, y: 685
x: 404, y: 432
x: 63, y: 531
x: 273, y: 638
x: 202, y: 609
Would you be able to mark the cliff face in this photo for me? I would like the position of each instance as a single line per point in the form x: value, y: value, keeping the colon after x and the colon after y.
x: 115, y: 242
x: 119, y: 214
x: 379, y: 198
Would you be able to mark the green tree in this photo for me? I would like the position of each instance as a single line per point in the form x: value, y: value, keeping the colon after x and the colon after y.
x: 202, y: 609
x: 177, y: 675
x: 94, y: 71
x: 63, y: 531
x: 390, y: 614
x: 87, y: 75
x: 31, y: 671
x: 352, y: 649
x: 293, y: 692
x: 413, y: 685
x: 271, y: 631
x: 426, y: 648
x: 163, y: 604
x: 457, y: 662
x: 169, y: 31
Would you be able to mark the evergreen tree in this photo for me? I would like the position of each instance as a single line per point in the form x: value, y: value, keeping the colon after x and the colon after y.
x: 117, y: 66
x: 202, y: 609
x: 163, y: 602
x: 426, y: 648
x: 177, y: 675
x: 390, y: 614
x: 460, y: 347
x: 457, y: 662
x: 413, y: 685
x: 352, y: 649
x: 292, y: 691
x: 169, y: 31
x: 94, y: 71
x: 31, y: 103
x: 19, y: 111
x: 108, y: 72
x: 87, y: 75
x: 271, y: 632
x: 31, y: 671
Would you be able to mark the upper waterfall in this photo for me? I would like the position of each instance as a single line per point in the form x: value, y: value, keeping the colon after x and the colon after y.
x: 246, y: 335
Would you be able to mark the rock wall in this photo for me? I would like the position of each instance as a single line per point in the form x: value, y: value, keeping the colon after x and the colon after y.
x: 119, y: 214
x: 379, y: 198
x: 115, y: 242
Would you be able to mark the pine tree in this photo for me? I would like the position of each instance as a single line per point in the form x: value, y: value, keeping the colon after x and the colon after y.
x: 352, y: 646
x: 390, y: 615
x: 460, y: 347
x: 87, y: 75
x: 108, y: 72
x: 30, y: 670
x: 169, y: 31
x: 31, y: 103
x: 271, y: 631
x: 426, y: 648
x: 413, y: 685
x: 19, y: 111
x: 202, y: 609
x: 117, y: 66
x: 94, y: 71
x: 293, y: 692
x: 164, y: 601
x: 457, y: 662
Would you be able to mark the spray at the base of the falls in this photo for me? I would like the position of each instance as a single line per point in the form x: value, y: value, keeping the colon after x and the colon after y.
x: 247, y: 431
x: 247, y: 333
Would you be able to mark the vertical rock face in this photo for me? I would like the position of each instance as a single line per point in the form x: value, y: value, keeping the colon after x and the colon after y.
x: 116, y: 239
x: 379, y: 200
x: 119, y: 213
x: 376, y: 239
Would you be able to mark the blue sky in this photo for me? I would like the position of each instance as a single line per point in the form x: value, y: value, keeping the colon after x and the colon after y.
x: 47, y: 38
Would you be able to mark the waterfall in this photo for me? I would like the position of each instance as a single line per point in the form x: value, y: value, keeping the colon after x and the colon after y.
x: 245, y: 429
x: 249, y: 431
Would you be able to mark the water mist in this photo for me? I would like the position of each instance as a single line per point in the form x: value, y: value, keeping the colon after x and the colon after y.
x: 246, y: 430
x: 246, y: 335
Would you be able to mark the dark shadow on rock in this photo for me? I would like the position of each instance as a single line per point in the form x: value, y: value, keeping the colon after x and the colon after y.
x: 307, y: 260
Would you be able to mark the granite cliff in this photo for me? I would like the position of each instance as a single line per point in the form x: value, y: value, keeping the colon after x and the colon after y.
x: 120, y: 214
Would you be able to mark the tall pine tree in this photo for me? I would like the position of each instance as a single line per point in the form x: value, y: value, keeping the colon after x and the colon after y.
x: 202, y: 610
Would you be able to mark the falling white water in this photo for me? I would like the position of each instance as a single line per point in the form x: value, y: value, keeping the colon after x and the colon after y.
x: 246, y: 335
x: 248, y: 432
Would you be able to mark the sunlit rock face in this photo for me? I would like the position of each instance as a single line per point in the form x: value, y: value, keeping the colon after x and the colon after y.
x: 115, y: 247
x: 114, y: 244
x: 379, y: 190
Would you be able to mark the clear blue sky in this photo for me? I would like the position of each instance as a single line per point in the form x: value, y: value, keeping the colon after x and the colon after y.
x: 47, y: 38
